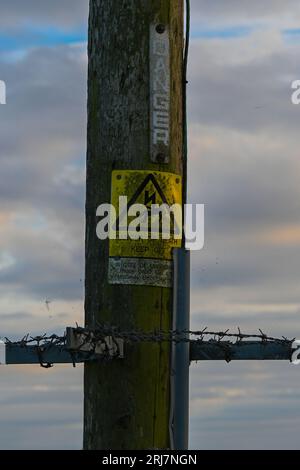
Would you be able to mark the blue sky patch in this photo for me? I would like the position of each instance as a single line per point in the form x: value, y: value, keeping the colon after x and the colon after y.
x: 230, y: 32
x: 34, y: 36
x: 37, y: 37
x: 291, y: 36
x: 292, y: 32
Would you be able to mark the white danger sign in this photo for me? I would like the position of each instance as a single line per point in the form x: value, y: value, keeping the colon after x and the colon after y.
x: 160, y: 92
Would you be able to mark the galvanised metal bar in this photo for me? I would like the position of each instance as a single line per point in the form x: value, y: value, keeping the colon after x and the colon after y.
x: 179, y: 425
x: 199, y: 351
x: 240, y: 351
x: 16, y: 354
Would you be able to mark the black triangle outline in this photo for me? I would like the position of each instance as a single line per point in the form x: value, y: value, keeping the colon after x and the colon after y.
x: 149, y: 178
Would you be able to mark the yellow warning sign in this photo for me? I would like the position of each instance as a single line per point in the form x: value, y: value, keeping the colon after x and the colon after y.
x: 148, y: 207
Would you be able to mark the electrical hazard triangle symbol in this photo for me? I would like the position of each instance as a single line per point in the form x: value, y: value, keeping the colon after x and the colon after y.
x: 150, y: 201
x: 150, y: 193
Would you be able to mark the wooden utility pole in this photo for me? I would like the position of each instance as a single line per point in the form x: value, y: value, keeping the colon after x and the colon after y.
x: 127, y: 401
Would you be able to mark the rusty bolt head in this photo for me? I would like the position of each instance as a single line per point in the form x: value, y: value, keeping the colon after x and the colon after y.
x: 160, y: 28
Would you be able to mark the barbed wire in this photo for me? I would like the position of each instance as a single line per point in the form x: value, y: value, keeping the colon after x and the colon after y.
x: 103, y: 342
x: 220, y: 339
x: 39, y: 340
x: 101, y: 332
x: 177, y: 336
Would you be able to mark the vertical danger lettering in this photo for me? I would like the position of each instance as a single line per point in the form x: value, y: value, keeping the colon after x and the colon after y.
x: 160, y: 94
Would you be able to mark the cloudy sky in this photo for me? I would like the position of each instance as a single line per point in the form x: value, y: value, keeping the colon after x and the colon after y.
x: 244, y: 165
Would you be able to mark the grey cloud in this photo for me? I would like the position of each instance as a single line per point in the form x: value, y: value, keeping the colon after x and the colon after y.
x: 244, y: 167
x: 252, y: 97
x: 230, y: 394
x: 214, y: 12
x: 239, y: 198
x: 70, y: 12
x: 42, y: 138
x: 15, y: 316
x: 271, y: 323
x: 44, y: 128
x: 17, y: 13
x: 36, y: 409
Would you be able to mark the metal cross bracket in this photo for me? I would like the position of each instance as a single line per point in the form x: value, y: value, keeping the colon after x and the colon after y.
x: 241, y: 350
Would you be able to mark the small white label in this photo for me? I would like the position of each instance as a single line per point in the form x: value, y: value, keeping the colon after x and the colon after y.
x: 140, y: 272
x: 2, y: 353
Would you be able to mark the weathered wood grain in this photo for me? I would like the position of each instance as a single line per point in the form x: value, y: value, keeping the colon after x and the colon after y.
x: 126, y: 403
